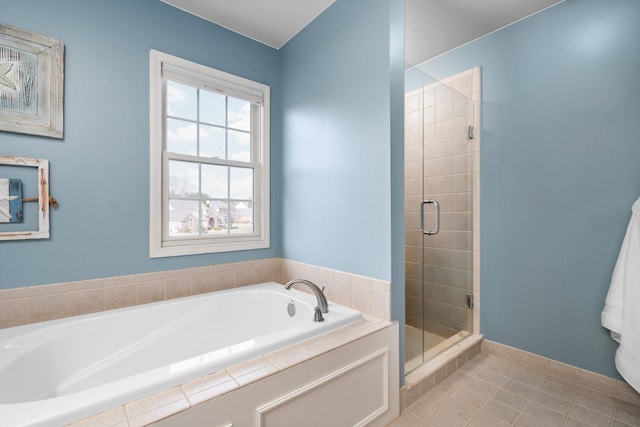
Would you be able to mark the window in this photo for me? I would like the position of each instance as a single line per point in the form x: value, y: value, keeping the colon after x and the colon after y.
x: 209, y: 160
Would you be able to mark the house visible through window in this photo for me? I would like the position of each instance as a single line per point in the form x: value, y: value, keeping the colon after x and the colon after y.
x: 209, y: 166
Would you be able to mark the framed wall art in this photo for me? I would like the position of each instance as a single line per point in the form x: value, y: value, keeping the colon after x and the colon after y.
x: 31, y: 83
x: 12, y: 198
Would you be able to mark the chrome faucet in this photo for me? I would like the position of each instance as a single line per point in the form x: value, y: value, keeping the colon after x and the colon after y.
x: 323, y: 306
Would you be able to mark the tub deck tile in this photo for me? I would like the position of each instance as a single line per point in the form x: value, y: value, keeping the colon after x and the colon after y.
x: 205, y: 388
x: 256, y: 375
x: 318, y: 345
x: 357, y: 330
x: 288, y: 356
x: 249, y: 366
x: 252, y: 370
x: 144, y: 411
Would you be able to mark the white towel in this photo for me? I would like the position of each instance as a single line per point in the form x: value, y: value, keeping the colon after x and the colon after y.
x: 621, y: 313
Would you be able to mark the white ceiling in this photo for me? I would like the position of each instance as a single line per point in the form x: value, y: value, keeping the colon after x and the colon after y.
x: 271, y: 22
x: 432, y: 26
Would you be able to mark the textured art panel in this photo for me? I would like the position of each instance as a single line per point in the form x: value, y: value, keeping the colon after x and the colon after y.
x: 11, y: 200
x: 31, y: 83
x: 18, y: 83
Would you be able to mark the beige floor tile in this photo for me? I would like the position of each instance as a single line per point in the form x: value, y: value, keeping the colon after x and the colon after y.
x: 492, y: 377
x: 551, y: 401
x: 442, y: 418
x: 512, y: 400
x: 559, y: 389
x: 465, y: 404
x: 520, y: 389
x: 572, y: 422
x: 485, y: 420
x: 443, y: 391
x: 529, y: 378
x: 544, y: 414
x: 500, y: 411
x: 422, y: 408
x: 482, y: 387
x: 618, y: 423
x: 501, y: 366
x: 603, y: 407
x: 589, y: 416
x: 529, y: 421
x: 406, y: 419
x: 490, y: 391
x: 627, y: 413
x: 597, y: 395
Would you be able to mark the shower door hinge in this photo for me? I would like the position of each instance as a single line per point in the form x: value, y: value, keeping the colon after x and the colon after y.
x: 469, y: 132
x: 470, y: 300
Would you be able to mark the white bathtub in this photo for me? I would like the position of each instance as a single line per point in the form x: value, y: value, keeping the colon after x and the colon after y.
x: 60, y: 371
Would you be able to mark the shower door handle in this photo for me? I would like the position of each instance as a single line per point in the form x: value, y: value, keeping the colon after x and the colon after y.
x: 437, y: 205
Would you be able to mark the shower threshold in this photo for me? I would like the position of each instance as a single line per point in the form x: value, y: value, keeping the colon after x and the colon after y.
x: 447, y: 352
x: 434, y: 345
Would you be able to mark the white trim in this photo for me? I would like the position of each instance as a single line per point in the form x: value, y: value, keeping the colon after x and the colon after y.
x: 43, y: 198
x: 263, y: 411
x: 160, y: 246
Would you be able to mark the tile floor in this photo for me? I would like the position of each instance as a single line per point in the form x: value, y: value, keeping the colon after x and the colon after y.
x: 491, y: 391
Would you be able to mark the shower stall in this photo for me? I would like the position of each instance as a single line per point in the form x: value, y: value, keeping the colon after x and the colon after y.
x: 441, y: 165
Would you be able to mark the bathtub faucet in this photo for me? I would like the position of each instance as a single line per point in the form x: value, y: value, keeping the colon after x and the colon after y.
x: 323, y: 306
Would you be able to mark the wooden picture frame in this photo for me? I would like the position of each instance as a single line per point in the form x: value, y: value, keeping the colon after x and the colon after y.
x: 31, y: 83
x: 43, y: 198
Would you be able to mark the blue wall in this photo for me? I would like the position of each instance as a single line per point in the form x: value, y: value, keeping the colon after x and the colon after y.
x: 560, y: 155
x: 336, y: 133
x: 342, y: 81
x: 100, y: 171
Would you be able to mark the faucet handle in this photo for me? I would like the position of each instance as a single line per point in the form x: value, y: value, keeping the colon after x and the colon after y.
x: 317, y: 315
x: 322, y: 290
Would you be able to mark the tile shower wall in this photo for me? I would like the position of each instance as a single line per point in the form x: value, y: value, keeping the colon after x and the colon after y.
x: 21, y: 306
x: 440, y: 162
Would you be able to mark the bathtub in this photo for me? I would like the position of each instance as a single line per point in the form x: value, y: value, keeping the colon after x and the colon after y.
x: 56, y: 372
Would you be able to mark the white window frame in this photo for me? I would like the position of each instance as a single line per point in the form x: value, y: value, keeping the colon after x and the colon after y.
x: 160, y: 245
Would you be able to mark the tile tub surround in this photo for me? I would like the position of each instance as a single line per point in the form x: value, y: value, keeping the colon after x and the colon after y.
x: 21, y: 306
x: 32, y: 304
x: 161, y: 405
x: 371, y: 297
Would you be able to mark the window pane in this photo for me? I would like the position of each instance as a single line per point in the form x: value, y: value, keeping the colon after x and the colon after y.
x: 239, y: 114
x: 212, y: 142
x: 184, y: 217
x: 182, y: 101
x: 212, y: 108
x: 241, y: 183
x: 183, y: 179
x: 214, y: 181
x: 182, y: 137
x: 239, y: 146
x: 241, y: 218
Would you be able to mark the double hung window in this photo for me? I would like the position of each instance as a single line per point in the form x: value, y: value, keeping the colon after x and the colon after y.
x: 209, y: 160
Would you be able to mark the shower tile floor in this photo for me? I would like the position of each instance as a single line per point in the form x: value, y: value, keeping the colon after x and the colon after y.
x: 489, y: 391
x: 413, y: 353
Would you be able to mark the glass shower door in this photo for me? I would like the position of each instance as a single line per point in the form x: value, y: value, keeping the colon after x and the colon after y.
x: 438, y: 217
